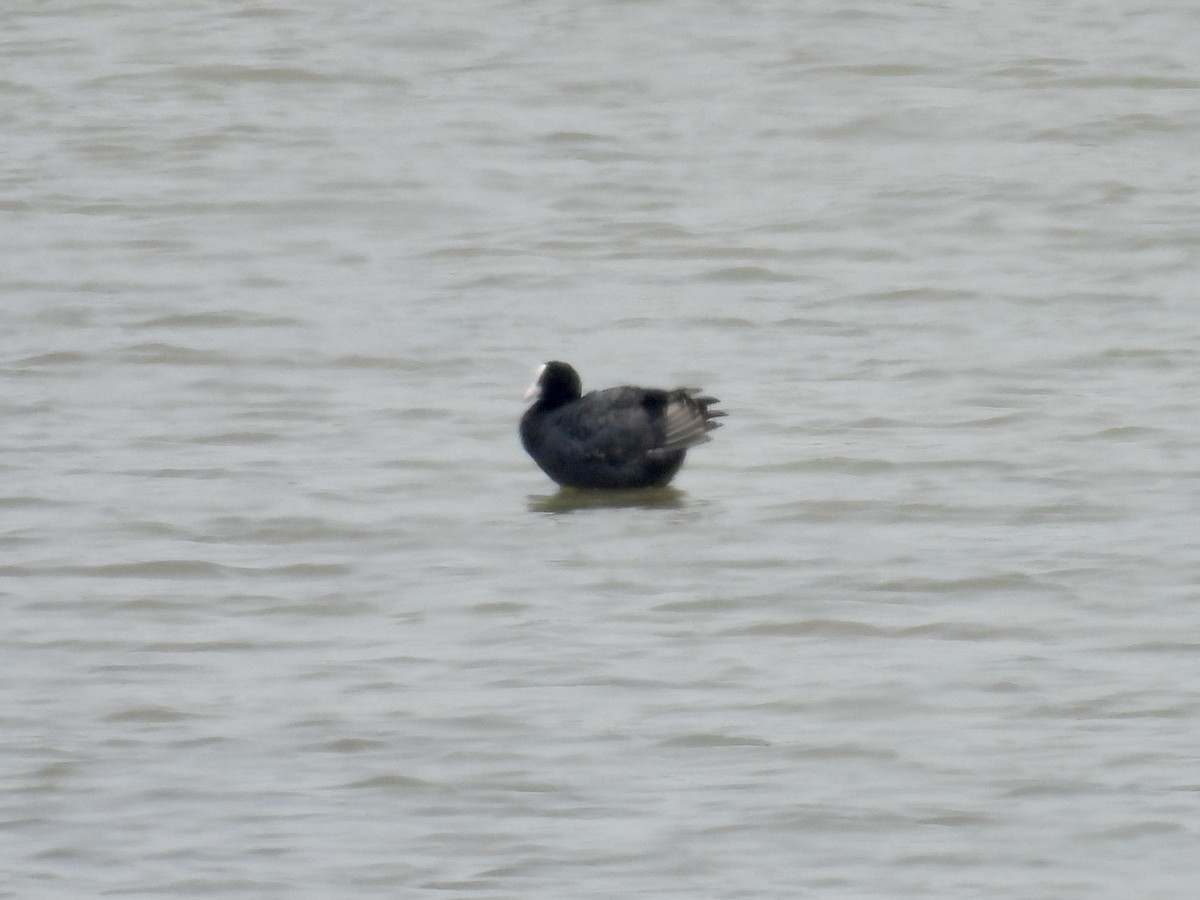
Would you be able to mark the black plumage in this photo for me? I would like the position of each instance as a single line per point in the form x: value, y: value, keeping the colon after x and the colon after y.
x: 623, y: 437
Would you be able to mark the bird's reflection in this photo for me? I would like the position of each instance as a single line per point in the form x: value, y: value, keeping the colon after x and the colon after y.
x: 567, y: 500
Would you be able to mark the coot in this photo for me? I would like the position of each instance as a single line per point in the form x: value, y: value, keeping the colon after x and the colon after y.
x: 623, y: 437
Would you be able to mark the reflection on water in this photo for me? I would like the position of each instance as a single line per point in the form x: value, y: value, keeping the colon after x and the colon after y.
x: 572, y: 499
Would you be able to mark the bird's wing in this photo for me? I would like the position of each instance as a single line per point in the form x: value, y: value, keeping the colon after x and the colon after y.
x: 686, y: 420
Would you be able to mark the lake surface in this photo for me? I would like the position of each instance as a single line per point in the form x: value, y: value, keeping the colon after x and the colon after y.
x: 288, y: 612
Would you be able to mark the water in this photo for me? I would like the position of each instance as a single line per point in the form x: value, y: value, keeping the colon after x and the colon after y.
x: 289, y: 614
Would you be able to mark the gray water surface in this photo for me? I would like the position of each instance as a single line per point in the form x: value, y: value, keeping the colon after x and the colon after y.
x: 288, y: 613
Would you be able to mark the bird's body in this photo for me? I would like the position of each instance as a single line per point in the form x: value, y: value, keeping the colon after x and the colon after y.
x: 622, y: 437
